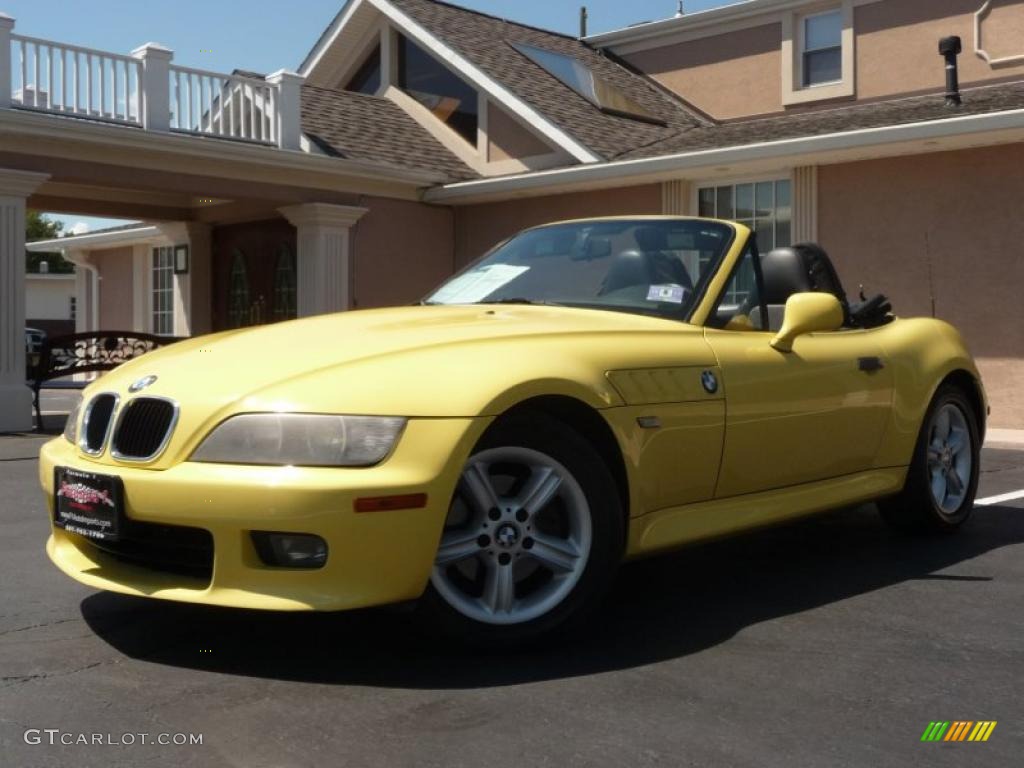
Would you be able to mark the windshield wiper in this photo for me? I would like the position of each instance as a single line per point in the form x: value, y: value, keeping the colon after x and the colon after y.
x: 517, y: 300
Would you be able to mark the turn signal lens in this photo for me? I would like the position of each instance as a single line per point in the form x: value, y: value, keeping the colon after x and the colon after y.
x: 386, y: 503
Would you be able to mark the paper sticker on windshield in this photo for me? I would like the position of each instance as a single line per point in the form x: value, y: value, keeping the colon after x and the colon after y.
x: 671, y: 294
x: 478, y: 285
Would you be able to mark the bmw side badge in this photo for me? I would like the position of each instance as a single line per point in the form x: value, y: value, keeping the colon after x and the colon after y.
x: 709, y: 381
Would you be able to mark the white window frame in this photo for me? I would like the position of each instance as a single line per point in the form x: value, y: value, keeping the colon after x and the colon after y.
x: 733, y: 182
x: 804, y: 49
x: 157, y: 316
x: 793, y: 46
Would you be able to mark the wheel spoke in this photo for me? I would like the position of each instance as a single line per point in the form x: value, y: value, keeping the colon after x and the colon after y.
x: 934, y: 457
x: 558, y: 555
x: 456, y: 547
x: 956, y: 486
x: 957, y: 440
x: 478, y: 489
x: 500, y: 588
x: 939, y: 487
x: 544, y: 484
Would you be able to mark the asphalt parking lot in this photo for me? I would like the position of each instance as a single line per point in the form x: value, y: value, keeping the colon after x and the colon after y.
x: 829, y: 642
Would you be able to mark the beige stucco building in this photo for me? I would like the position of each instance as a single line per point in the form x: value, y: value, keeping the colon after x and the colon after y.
x: 417, y: 134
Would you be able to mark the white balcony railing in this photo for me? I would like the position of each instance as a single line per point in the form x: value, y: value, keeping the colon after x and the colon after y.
x: 146, y: 90
x: 69, y: 79
x: 230, y: 106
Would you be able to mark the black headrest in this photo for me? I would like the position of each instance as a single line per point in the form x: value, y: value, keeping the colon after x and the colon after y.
x: 784, y: 274
x: 597, y: 247
x: 651, y: 238
x: 629, y: 268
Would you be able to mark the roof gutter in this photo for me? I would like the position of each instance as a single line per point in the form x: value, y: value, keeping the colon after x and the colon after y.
x: 696, y: 20
x: 92, y: 240
x: 647, y: 170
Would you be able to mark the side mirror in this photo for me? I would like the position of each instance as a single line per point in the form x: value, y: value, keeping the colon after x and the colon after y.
x: 807, y: 313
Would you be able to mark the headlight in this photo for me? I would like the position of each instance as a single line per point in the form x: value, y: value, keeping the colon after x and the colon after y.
x: 71, y: 425
x: 302, y: 440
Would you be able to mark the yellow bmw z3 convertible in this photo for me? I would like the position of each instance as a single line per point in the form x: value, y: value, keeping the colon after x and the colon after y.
x: 587, y: 392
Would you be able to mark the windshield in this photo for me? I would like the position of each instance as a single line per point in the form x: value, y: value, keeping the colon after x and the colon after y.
x: 653, y: 267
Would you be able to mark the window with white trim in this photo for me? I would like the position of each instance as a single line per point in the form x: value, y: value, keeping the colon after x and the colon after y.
x: 821, y: 55
x: 162, y: 292
x: 764, y: 206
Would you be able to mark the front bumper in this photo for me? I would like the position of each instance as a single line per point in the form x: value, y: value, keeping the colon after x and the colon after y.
x: 374, y: 557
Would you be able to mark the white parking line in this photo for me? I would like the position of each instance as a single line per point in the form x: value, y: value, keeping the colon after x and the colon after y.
x: 988, y: 501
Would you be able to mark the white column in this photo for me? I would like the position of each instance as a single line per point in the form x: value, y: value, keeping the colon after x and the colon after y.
x: 805, y: 204
x: 289, y: 108
x: 675, y: 198
x: 15, y: 397
x: 323, y: 255
x: 6, y: 86
x: 156, y: 86
x: 83, y: 311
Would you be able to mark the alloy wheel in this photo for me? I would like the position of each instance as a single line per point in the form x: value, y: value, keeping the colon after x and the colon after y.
x: 950, y: 459
x: 517, y: 538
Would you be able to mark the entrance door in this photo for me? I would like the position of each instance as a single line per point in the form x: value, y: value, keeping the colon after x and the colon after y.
x: 254, y: 275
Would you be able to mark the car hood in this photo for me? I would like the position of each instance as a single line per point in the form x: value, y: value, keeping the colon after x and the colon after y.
x: 430, y: 361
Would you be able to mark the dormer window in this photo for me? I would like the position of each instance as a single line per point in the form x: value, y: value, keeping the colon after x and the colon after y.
x: 818, y: 54
x: 367, y: 79
x: 447, y: 96
x: 822, y: 55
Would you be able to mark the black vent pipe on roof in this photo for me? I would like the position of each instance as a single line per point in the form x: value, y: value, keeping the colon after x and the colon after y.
x: 950, y: 48
x: 583, y: 22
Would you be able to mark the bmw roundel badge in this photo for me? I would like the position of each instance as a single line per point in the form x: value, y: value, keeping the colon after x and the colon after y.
x: 140, y: 384
x: 710, y: 382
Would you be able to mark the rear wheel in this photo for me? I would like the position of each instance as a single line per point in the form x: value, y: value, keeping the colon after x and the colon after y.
x: 532, y: 538
x: 943, y: 476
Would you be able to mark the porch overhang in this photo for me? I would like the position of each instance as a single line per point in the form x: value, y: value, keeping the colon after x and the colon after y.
x: 167, y: 175
x: 764, y: 157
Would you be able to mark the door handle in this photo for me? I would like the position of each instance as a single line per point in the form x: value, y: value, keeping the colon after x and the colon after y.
x: 870, y: 364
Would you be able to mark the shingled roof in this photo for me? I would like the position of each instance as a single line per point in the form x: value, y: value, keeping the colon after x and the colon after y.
x: 359, y: 127
x: 371, y: 128
x: 976, y: 101
x: 486, y: 41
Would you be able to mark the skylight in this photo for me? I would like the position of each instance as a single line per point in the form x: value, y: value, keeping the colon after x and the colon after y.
x: 575, y: 74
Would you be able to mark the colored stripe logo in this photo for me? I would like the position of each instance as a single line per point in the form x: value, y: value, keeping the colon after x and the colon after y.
x: 959, y: 730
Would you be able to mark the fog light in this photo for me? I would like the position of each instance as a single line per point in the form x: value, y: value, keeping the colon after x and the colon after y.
x: 290, y: 550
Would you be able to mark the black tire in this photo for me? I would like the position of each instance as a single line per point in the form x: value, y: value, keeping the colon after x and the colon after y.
x: 915, y: 509
x: 540, y: 432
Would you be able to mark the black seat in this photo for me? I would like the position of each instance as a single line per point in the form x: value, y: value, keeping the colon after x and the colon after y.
x: 798, y: 269
x: 629, y: 268
x: 666, y: 268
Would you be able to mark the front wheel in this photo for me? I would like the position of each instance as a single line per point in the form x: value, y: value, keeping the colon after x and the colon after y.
x: 943, y: 476
x: 532, y: 538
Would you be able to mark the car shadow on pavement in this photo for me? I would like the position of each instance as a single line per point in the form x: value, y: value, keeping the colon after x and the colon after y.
x: 661, y: 608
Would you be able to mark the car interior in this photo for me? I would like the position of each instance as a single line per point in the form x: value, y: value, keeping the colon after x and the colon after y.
x: 807, y: 268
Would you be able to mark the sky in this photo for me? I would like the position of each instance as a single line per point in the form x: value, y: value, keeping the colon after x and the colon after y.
x: 222, y: 36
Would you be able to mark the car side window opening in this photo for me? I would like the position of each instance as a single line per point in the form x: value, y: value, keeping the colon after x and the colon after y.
x: 740, y: 307
x: 646, y: 266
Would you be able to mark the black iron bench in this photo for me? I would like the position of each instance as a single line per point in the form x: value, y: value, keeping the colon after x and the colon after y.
x: 86, y: 353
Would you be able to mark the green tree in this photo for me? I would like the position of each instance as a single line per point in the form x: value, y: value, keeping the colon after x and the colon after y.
x: 39, y: 227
